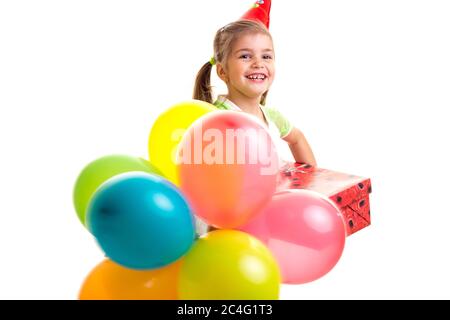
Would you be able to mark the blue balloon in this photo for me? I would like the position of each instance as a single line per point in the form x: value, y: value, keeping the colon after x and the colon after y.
x: 141, y: 221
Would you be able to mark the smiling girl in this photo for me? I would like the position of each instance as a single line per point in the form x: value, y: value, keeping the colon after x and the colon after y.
x: 245, y: 60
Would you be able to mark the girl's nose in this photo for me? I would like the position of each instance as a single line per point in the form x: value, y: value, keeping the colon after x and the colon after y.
x: 257, y: 63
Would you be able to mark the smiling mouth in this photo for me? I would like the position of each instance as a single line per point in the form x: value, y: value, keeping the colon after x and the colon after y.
x: 256, y: 76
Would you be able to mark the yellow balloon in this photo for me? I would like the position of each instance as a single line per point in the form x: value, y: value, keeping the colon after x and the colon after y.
x: 229, y: 265
x: 167, y: 132
x: 110, y: 281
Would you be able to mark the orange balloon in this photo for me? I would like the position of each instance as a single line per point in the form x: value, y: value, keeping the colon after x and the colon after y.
x: 110, y: 281
x: 228, y: 168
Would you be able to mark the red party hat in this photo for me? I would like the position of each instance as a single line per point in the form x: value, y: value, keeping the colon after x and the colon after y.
x: 260, y: 11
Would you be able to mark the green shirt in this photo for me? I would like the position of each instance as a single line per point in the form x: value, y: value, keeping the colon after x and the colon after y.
x: 272, y: 115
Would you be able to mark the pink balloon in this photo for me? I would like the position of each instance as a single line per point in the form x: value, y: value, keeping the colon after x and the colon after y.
x: 304, y: 231
x: 228, y: 168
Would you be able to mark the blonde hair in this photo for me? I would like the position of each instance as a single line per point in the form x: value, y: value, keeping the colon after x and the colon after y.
x: 223, y: 43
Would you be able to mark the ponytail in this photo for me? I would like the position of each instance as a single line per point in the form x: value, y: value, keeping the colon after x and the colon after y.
x: 263, y: 98
x: 202, y: 88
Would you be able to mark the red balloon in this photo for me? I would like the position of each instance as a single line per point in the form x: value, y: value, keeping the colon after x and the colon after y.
x: 227, y: 168
x: 304, y: 231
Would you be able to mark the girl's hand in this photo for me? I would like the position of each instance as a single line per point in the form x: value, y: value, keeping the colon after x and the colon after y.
x: 300, y: 148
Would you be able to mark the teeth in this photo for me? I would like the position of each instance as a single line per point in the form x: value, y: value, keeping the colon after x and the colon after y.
x: 256, y: 76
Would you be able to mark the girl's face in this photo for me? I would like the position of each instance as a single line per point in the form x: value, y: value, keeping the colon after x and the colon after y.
x: 250, y: 68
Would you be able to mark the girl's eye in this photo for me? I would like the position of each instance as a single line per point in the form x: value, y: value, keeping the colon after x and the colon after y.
x: 268, y: 57
x: 245, y: 56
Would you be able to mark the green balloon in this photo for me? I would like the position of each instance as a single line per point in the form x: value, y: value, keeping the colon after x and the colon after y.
x: 100, y: 170
x: 229, y: 264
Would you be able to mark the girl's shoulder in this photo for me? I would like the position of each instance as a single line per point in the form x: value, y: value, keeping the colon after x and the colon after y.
x: 276, y: 117
x: 273, y: 113
x: 220, y: 105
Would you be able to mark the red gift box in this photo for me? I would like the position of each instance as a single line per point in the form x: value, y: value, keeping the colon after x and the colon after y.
x: 350, y: 193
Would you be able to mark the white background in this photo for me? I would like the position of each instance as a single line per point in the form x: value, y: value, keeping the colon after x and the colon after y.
x: 368, y: 82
